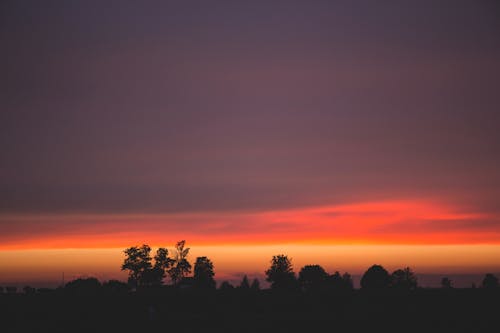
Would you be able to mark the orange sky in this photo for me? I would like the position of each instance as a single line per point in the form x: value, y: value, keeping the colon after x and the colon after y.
x: 428, y: 236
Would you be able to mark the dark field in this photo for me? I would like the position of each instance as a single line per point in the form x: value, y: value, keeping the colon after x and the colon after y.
x: 173, y: 310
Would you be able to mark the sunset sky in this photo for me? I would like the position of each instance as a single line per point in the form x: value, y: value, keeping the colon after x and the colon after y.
x: 344, y: 133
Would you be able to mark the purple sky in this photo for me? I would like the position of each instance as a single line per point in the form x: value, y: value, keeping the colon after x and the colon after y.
x: 139, y: 107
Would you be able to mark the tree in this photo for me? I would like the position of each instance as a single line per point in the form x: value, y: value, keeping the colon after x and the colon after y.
x: 180, y: 266
x: 281, y: 274
x: 255, y: 286
x: 490, y: 281
x: 84, y: 286
x: 244, y: 285
x: 404, y: 279
x: 142, y: 273
x: 204, y: 273
x: 137, y: 262
x: 446, y: 283
x: 225, y: 286
x: 339, y: 282
x: 376, y: 277
x: 347, y: 281
x: 312, y: 277
x: 115, y: 286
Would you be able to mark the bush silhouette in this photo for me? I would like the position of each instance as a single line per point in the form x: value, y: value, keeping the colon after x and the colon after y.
x: 375, y: 278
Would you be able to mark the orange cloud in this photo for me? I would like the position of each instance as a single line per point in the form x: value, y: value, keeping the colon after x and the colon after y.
x: 386, y: 222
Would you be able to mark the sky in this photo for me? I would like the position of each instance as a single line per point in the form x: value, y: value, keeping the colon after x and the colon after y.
x: 250, y: 129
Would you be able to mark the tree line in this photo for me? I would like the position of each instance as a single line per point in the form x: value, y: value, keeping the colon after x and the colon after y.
x: 146, y: 271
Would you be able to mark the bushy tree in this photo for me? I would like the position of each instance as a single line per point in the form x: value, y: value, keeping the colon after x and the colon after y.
x: 180, y: 265
x: 404, y: 279
x: 281, y: 274
x: 204, y: 273
x: 142, y: 272
x: 376, y: 277
x: 312, y: 277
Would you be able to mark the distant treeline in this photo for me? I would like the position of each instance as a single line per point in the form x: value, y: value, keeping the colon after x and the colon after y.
x: 146, y: 272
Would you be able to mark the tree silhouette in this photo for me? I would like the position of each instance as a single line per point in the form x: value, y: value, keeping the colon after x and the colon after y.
x: 376, y: 277
x: 339, y: 282
x: 490, y: 281
x: 83, y: 286
x: 180, y: 266
x: 255, y: 286
x: 204, y: 273
x: 347, y: 280
x: 312, y: 277
x: 404, y: 279
x: 142, y: 273
x: 446, y: 283
x: 1, y: 290
x: 225, y: 286
x: 281, y: 274
x: 244, y: 285
x: 115, y: 286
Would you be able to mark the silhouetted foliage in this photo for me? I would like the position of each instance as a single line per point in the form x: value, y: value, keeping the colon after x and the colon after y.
x: 225, y: 286
x: 255, y: 286
x: 204, y: 273
x: 281, y: 274
x: 115, y: 286
x: 1, y: 290
x: 337, y: 282
x: 83, y: 286
x: 404, y: 279
x: 446, y: 283
x: 180, y: 266
x: 490, y: 281
x: 244, y: 285
x: 375, y: 278
x: 312, y: 277
x: 142, y: 273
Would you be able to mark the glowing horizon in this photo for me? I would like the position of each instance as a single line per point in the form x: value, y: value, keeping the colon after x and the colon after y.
x: 385, y: 222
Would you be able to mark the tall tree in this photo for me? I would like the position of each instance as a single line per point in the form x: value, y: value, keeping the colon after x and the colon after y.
x: 180, y: 266
x: 137, y: 262
x: 281, y: 274
x: 204, y: 273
